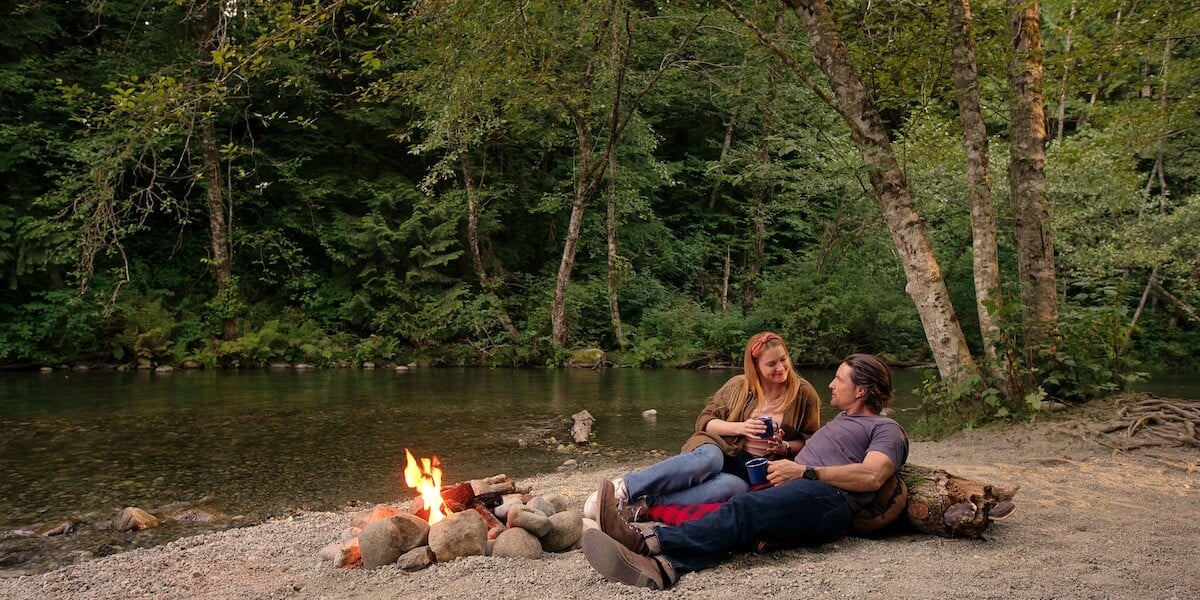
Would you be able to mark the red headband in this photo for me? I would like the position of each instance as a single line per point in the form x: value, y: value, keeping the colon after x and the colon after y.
x: 758, y: 344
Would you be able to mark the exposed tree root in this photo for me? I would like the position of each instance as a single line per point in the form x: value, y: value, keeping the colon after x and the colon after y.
x: 1145, y: 421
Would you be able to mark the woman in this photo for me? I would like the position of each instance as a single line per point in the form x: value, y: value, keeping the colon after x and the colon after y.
x: 712, y: 465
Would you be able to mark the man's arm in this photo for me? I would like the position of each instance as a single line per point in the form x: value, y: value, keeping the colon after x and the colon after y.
x: 866, y: 476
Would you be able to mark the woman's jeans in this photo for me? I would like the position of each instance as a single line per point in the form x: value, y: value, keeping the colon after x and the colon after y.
x: 703, y: 475
x: 799, y: 512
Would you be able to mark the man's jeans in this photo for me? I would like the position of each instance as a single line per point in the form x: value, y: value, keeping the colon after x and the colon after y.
x: 703, y: 475
x: 798, y: 512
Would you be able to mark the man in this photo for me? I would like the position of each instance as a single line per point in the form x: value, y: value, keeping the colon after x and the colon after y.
x: 810, y: 502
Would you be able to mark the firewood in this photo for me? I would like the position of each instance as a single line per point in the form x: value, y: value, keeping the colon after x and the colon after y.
x: 459, y: 497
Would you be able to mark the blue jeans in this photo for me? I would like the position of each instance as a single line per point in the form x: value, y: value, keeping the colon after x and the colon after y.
x: 798, y: 512
x: 703, y: 475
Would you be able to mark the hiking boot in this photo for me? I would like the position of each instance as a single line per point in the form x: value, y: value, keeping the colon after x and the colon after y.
x: 590, y: 509
x: 613, y: 560
x: 634, y: 511
x: 613, y: 524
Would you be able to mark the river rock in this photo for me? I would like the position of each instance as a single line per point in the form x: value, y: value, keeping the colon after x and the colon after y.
x: 192, y: 514
x: 542, y: 504
x: 349, y: 533
x: 558, y: 502
x: 517, y: 543
x: 191, y: 364
x: 460, y: 534
x: 132, y: 518
x: 503, y: 509
x: 565, y: 531
x: 56, y: 528
x: 416, y: 559
x: 378, y: 513
x: 531, y: 520
x: 164, y: 369
x: 349, y: 555
x: 382, y: 542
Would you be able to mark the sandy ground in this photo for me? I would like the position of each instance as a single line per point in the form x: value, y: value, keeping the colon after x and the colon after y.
x: 1089, y: 524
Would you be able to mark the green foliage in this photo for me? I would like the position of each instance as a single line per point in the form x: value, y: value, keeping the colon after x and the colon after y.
x: 341, y: 146
x: 1089, y: 363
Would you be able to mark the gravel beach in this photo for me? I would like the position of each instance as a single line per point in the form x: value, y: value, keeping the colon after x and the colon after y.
x: 1089, y: 524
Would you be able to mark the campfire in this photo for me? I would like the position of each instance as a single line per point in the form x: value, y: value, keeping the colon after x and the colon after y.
x: 426, y: 478
x: 490, y: 516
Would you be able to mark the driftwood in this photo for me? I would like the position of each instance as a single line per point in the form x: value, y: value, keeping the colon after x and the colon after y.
x: 581, y: 431
x: 950, y: 506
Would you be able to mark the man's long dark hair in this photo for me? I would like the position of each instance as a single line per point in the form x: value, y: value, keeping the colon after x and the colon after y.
x: 874, y: 377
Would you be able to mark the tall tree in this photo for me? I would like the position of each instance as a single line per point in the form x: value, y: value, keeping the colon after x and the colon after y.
x: 1027, y: 181
x: 595, y: 142
x: 988, y: 297
x: 889, y: 186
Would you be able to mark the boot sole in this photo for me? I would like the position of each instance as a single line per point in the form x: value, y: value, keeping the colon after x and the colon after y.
x: 615, y: 561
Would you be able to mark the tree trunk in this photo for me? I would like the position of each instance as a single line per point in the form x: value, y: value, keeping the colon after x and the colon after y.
x: 485, y: 281
x: 988, y: 297
x: 890, y: 188
x: 1027, y: 182
x: 614, y: 267
x: 218, y: 221
x: 725, y: 284
x: 1061, y: 114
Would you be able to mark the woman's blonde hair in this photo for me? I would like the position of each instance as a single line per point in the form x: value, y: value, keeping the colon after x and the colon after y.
x: 754, y: 348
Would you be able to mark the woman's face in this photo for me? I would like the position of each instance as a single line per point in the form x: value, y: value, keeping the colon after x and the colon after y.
x: 773, y: 365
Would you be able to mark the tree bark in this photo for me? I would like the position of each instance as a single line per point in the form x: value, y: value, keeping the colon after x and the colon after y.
x: 988, y: 297
x: 219, y: 213
x: 614, y: 272
x: 614, y: 267
x: 1027, y: 182
x: 890, y: 188
x: 485, y: 281
x: 1061, y: 114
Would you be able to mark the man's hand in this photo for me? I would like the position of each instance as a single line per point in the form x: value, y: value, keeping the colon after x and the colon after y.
x: 783, y: 471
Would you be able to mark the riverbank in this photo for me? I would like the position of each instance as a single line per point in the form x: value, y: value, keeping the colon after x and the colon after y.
x: 1089, y: 524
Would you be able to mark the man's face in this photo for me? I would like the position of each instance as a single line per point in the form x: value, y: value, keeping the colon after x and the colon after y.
x: 844, y: 394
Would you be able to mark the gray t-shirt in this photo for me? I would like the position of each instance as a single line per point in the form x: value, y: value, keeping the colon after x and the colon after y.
x: 847, y: 439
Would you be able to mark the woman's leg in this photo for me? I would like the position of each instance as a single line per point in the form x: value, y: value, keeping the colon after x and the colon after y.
x: 718, y: 488
x: 679, y: 472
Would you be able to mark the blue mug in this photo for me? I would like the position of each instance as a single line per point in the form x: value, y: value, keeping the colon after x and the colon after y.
x: 770, y: 432
x: 756, y: 469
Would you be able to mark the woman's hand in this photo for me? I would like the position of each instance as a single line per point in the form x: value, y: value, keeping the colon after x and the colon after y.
x: 778, y: 446
x: 753, y: 428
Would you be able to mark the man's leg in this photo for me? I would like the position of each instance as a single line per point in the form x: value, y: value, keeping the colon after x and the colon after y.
x: 802, y: 512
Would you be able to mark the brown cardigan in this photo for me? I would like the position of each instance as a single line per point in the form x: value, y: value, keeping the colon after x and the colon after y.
x: 799, y: 422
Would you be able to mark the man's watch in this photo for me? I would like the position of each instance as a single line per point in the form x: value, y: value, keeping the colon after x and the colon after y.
x: 810, y: 473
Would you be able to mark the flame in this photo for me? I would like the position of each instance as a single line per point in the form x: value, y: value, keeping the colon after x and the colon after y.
x: 426, y: 478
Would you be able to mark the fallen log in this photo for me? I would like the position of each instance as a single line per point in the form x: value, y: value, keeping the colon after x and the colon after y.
x: 943, y: 504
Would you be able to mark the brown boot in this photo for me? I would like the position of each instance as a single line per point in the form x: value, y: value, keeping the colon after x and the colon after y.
x: 613, y: 524
x: 614, y: 561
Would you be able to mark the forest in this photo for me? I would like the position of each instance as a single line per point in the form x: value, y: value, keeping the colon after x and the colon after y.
x: 1006, y: 190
